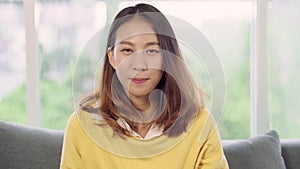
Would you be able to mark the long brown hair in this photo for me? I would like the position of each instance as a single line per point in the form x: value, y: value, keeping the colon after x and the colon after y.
x: 181, y: 100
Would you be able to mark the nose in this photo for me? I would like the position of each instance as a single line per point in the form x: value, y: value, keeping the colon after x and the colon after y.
x: 140, y: 63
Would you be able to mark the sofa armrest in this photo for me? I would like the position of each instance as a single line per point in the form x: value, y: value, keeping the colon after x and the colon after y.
x: 290, y: 150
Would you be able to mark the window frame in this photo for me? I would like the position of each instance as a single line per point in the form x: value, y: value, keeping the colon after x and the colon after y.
x: 259, y: 70
x: 32, y: 81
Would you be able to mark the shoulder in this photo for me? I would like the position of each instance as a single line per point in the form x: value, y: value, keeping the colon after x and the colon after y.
x: 80, y: 118
x: 205, y: 125
x: 73, y: 125
x: 204, y: 118
x: 82, y: 128
x: 73, y: 120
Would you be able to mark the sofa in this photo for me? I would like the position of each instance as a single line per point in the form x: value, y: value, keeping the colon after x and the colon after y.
x: 24, y: 147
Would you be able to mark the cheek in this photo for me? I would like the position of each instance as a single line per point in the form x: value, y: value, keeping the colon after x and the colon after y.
x: 118, y: 61
x: 118, y: 57
x: 122, y: 69
x: 155, y: 63
x: 122, y: 63
x: 157, y: 75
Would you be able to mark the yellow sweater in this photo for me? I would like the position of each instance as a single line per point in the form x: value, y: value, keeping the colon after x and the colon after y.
x: 87, y: 146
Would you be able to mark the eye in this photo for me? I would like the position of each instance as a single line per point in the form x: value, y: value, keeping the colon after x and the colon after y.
x: 127, y: 51
x: 152, y: 52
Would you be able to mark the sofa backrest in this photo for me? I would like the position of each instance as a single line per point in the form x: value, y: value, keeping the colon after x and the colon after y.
x: 24, y: 147
x: 262, y: 152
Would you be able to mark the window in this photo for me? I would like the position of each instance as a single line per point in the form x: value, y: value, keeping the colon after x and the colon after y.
x: 228, y: 25
x: 61, y: 36
x: 283, y: 67
x: 12, y: 62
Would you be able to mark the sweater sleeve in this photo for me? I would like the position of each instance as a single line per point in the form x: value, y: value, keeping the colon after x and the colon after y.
x: 211, y: 155
x: 71, y: 158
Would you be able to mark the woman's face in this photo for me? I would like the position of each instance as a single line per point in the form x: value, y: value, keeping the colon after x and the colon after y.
x: 137, y: 57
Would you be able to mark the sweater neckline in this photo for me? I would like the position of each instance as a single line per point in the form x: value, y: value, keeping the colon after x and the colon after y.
x: 132, y: 147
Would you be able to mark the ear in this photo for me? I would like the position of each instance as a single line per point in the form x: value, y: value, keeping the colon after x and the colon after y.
x: 111, y: 58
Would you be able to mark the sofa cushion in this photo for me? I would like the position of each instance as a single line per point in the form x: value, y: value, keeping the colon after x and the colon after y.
x: 24, y: 147
x: 260, y: 152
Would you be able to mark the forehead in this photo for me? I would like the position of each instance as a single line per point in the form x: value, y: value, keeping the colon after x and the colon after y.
x: 135, y: 28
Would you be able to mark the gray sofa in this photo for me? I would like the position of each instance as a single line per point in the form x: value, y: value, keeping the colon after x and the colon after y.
x: 23, y: 147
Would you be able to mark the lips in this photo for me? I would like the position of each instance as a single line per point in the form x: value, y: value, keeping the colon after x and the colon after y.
x: 139, y: 80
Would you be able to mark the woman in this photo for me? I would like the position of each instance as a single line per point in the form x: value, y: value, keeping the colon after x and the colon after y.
x: 147, y: 111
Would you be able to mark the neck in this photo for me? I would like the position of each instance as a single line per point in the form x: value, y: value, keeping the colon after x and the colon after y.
x: 142, y: 129
x: 140, y: 103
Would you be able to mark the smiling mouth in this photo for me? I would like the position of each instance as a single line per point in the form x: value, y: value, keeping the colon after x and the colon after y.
x: 139, y: 80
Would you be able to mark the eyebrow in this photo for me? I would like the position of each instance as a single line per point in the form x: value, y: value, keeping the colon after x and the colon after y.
x: 131, y: 44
